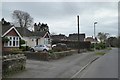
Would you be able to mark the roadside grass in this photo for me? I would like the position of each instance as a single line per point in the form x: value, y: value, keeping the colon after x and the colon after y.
x: 109, y: 48
x: 100, y: 53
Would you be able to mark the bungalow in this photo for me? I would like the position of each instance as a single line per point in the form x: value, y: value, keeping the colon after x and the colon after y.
x: 12, y: 36
x: 34, y: 38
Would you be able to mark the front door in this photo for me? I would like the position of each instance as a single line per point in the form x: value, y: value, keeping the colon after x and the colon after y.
x: 36, y: 41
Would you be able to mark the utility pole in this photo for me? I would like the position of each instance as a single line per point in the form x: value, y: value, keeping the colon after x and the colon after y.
x: 78, y: 35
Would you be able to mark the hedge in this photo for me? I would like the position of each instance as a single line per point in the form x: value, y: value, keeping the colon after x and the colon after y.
x: 75, y: 44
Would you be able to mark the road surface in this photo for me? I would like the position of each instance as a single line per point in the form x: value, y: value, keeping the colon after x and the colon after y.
x: 105, y: 67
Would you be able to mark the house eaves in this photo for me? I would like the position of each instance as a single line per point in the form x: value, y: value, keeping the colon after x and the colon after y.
x: 10, y: 30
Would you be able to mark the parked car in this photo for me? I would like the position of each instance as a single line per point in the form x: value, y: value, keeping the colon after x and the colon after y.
x: 40, y: 48
x: 59, y: 47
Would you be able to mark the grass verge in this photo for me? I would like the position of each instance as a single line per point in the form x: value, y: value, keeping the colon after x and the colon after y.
x: 100, y: 53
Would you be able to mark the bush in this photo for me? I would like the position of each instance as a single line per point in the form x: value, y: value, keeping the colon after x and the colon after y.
x: 5, y: 39
x: 92, y: 46
x: 57, y: 49
x: 97, y: 46
x: 25, y: 48
x: 22, y: 41
x: 100, y: 46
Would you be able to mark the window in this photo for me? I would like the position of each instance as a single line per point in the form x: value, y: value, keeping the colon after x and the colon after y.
x: 10, y: 42
x: 49, y: 41
x: 13, y: 42
x: 41, y: 46
x: 46, y: 41
x: 17, y: 41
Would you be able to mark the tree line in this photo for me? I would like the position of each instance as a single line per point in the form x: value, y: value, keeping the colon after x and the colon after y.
x: 109, y: 41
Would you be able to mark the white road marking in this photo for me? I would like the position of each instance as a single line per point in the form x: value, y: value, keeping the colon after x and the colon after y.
x: 83, y: 68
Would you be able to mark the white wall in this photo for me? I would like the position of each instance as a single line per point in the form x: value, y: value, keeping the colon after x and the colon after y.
x: 44, y: 41
x: 41, y: 41
x: 30, y: 41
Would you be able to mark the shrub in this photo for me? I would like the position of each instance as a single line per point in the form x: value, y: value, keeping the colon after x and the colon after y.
x: 92, y: 46
x: 100, y: 46
x: 25, y: 48
x: 5, y: 39
x: 22, y: 41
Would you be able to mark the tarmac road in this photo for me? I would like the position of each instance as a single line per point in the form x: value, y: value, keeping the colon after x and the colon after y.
x: 105, y: 67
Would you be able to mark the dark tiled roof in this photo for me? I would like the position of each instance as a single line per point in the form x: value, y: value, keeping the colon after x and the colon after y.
x: 58, y: 37
x: 28, y: 33
x: 91, y: 39
x: 41, y: 34
x: 5, y: 28
x: 24, y: 32
x: 75, y: 37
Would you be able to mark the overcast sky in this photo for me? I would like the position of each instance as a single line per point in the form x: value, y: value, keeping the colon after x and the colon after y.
x: 61, y: 17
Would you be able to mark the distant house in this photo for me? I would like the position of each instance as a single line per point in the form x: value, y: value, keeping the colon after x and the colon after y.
x: 12, y: 35
x: 60, y: 37
x: 91, y: 39
x: 74, y: 37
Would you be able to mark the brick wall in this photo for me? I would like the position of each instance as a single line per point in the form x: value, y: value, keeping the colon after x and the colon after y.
x: 12, y: 33
x: 10, y: 48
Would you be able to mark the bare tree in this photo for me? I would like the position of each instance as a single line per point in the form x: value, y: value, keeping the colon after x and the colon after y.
x: 23, y: 19
x: 103, y: 36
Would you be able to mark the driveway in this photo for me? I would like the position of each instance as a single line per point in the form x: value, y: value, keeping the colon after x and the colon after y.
x: 63, y: 68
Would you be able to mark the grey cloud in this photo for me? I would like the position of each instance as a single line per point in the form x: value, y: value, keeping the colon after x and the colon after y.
x: 65, y: 13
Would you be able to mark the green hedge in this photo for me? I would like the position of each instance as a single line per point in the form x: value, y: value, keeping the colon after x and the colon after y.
x: 98, y: 46
x: 25, y: 48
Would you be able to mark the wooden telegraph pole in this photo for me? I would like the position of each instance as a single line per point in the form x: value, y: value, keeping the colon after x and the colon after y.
x: 78, y: 35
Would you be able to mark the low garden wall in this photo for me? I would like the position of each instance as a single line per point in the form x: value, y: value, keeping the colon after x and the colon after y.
x: 58, y: 55
x: 49, y: 55
x: 37, y: 55
x: 12, y: 64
